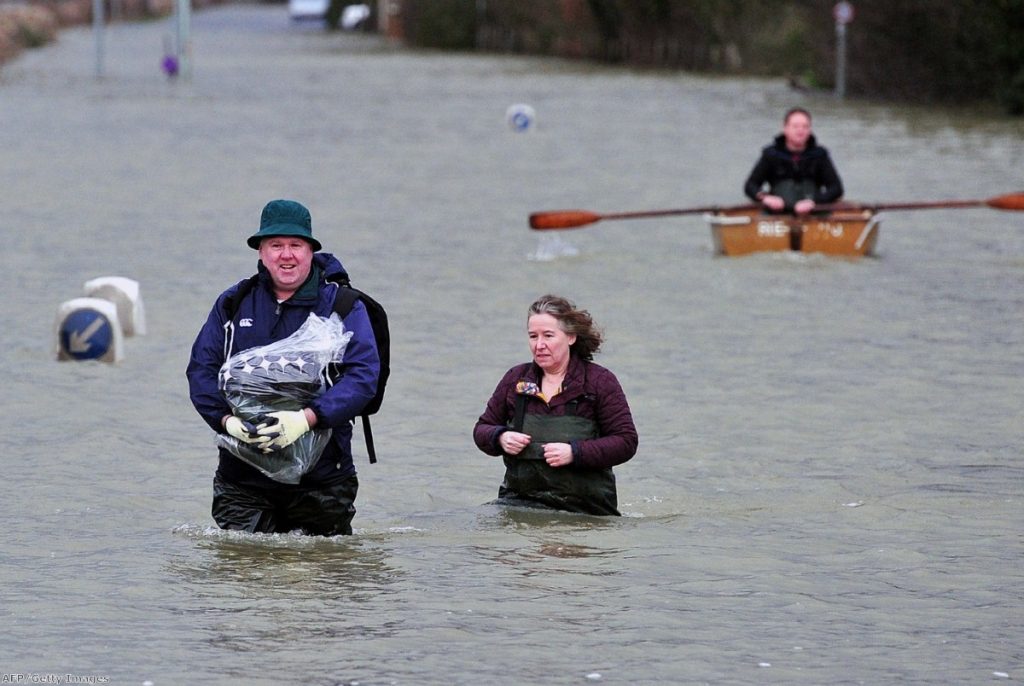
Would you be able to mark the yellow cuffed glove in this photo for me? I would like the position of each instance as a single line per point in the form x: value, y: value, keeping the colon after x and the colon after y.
x: 245, y: 432
x: 283, y: 428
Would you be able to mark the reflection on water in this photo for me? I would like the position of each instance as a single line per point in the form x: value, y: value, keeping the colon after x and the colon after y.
x: 259, y: 592
x: 566, y: 550
x: 281, y: 565
x: 524, y: 517
x: 534, y: 558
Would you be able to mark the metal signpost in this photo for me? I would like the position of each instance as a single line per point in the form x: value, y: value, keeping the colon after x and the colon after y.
x: 183, y: 10
x: 843, y: 14
x: 97, y: 29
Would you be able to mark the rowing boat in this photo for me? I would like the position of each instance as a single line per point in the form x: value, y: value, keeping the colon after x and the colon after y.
x: 848, y: 233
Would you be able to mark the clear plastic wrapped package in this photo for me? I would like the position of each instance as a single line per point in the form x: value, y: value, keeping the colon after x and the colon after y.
x: 284, y: 375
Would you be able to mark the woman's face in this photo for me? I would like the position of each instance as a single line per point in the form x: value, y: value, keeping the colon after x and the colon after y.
x: 548, y: 343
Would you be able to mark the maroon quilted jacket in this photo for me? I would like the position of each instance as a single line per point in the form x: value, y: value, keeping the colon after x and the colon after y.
x: 600, y: 398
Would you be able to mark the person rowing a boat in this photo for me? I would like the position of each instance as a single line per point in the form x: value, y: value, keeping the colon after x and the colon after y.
x: 794, y: 174
x: 559, y: 422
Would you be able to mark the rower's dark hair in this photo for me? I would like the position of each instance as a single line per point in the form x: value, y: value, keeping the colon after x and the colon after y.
x: 796, y: 110
x: 571, y: 321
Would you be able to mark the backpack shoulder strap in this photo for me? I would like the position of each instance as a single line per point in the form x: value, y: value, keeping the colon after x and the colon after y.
x: 231, y: 304
x: 344, y: 300
x: 234, y: 301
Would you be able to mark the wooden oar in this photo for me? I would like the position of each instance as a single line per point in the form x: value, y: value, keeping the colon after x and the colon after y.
x: 573, y: 219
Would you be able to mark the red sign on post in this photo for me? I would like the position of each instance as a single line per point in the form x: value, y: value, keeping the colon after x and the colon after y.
x: 843, y: 12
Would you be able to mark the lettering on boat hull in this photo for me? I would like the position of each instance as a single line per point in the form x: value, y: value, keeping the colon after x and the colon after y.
x: 776, y: 228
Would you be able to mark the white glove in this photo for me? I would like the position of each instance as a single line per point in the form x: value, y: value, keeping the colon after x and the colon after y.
x: 283, y: 428
x: 245, y: 432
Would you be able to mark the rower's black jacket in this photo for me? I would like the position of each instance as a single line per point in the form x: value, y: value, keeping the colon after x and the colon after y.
x: 777, y: 163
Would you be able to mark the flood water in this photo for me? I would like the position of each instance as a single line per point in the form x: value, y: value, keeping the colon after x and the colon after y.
x: 828, y: 488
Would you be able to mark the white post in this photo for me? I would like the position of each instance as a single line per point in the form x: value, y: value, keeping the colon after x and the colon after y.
x: 183, y: 10
x: 97, y: 29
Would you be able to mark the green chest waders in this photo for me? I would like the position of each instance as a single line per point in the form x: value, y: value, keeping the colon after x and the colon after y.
x: 575, y: 489
x: 793, y: 191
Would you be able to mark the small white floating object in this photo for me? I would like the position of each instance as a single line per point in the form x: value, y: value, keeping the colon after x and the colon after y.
x: 1001, y: 675
x: 520, y: 118
x: 89, y: 329
x: 764, y: 664
x: 550, y: 247
x: 351, y: 17
x: 594, y: 676
x: 856, y: 504
x: 124, y: 293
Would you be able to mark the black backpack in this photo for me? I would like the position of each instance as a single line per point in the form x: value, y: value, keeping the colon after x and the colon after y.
x: 343, y: 301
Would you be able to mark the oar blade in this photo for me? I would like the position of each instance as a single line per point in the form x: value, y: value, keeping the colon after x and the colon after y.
x: 562, y: 219
x: 1010, y: 201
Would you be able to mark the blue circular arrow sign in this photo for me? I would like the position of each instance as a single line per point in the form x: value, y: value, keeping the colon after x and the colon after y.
x: 86, y: 335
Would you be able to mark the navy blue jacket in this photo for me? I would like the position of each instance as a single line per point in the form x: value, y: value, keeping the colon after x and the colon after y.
x: 777, y: 163
x: 260, y: 320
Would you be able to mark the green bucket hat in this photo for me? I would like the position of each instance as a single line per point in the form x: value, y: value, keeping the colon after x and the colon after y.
x: 284, y: 218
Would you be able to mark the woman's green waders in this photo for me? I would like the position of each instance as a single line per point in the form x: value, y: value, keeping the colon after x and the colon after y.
x: 575, y: 489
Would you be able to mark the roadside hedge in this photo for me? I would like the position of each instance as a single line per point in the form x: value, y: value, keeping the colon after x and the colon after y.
x: 948, y: 51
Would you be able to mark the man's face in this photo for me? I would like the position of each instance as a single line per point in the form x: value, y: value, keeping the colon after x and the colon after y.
x: 289, y: 260
x: 797, y: 129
